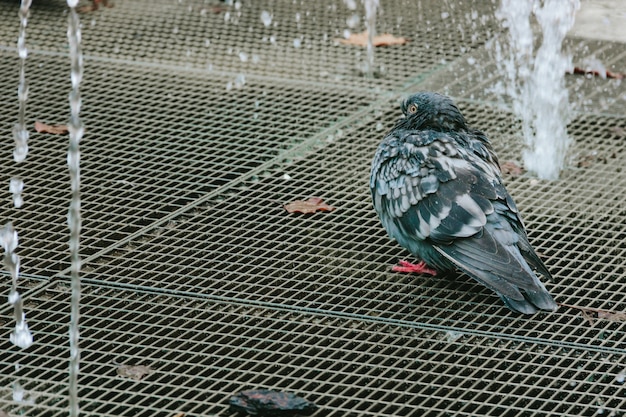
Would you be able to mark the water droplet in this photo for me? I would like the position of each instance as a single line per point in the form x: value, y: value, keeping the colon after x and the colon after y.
x: 471, y: 60
x: 243, y: 57
x: 350, y: 4
x: 379, y: 126
x: 352, y: 21
x: 256, y: 59
x: 346, y: 33
x: 445, y: 15
x: 297, y: 43
x: 266, y: 18
x: 229, y: 86
x: 297, y: 17
x: 240, y: 81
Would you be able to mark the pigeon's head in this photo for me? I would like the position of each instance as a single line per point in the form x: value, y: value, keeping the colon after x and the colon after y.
x: 431, y: 111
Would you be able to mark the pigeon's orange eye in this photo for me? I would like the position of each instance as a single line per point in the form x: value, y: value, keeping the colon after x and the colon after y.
x: 412, y: 108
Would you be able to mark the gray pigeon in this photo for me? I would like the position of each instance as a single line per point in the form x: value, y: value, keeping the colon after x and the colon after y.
x: 437, y: 190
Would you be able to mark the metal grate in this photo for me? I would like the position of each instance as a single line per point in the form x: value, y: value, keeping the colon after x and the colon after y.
x: 192, y: 267
x: 200, y: 351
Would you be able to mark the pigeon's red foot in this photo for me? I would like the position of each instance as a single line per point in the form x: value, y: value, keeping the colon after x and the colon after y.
x: 419, y: 268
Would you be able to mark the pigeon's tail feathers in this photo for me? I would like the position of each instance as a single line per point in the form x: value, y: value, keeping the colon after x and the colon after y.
x: 532, y: 301
x: 522, y: 306
x: 508, y: 276
x: 531, y: 257
x: 541, y: 298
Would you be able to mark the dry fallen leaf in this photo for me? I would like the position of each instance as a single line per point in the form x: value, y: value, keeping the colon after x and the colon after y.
x: 597, y: 73
x: 136, y: 372
x: 95, y: 5
x: 386, y: 39
x: 53, y: 129
x: 592, y: 314
x: 511, y: 168
x: 179, y: 415
x: 311, y: 205
x: 619, y: 131
x: 611, y: 316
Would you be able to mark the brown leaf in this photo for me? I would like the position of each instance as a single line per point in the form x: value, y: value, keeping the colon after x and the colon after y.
x: 511, y: 168
x: 386, y: 39
x: 53, y: 129
x: 95, y: 5
x: 311, y: 205
x: 590, y: 314
x: 179, y: 415
x: 136, y: 372
x: 597, y: 73
x: 611, y: 316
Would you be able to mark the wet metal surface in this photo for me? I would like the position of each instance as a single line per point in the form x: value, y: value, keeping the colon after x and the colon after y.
x: 201, y: 123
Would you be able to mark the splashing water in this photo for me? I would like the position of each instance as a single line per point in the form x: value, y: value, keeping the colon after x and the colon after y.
x: 73, y: 216
x: 537, y: 85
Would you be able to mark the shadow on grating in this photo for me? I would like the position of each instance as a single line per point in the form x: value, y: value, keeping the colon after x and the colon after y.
x: 246, y: 248
x: 201, y: 352
x: 155, y: 142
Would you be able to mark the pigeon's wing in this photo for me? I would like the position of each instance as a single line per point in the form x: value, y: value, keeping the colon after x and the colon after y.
x: 428, y: 189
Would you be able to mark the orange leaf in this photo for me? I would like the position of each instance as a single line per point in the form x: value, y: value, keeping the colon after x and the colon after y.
x: 386, y: 39
x: 53, y: 129
x: 311, y: 205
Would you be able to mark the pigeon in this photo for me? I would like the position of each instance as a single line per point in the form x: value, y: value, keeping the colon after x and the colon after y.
x: 436, y: 187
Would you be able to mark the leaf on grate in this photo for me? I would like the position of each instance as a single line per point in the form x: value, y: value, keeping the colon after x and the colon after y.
x: 511, y: 168
x: 136, y: 372
x: 597, y: 73
x: 53, y: 129
x: 311, y: 205
x: 267, y: 403
x: 94, y: 6
x: 179, y: 415
x: 386, y: 39
x: 593, y: 314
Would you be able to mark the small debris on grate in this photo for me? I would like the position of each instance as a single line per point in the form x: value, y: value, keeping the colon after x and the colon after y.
x: 585, y: 161
x: 270, y: 403
x: 136, y: 372
x: 179, y: 415
x: 619, y: 131
x: 511, y: 168
x: 386, y: 39
x: 52, y: 129
x: 311, y: 205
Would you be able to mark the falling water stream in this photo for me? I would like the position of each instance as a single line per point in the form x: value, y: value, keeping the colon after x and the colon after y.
x: 21, y: 335
x: 371, y: 6
x: 73, y: 216
x: 536, y: 83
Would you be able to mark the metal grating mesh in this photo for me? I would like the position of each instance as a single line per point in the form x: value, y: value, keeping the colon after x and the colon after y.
x: 193, y: 268
x: 201, y: 351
